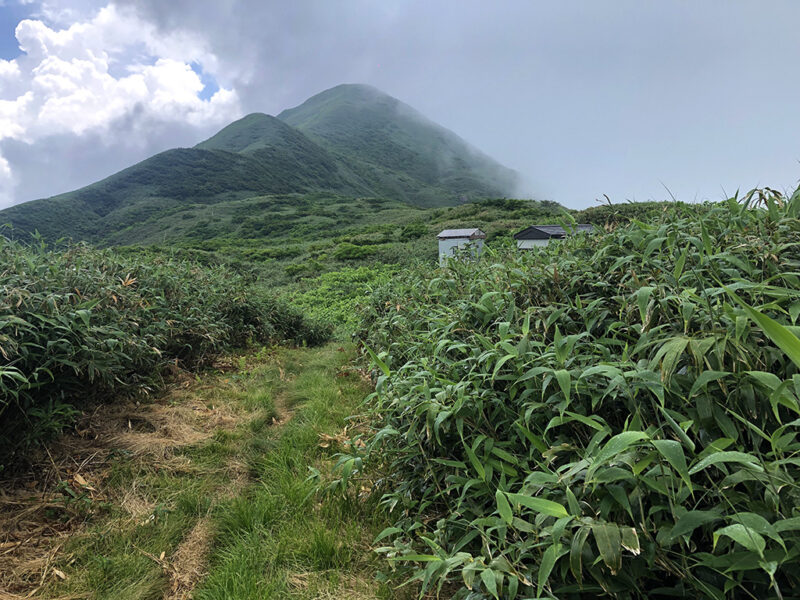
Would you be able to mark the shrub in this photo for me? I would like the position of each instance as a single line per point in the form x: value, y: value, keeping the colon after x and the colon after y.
x: 92, y: 324
x: 348, y: 251
x: 613, y: 415
x: 413, y: 231
x: 338, y: 297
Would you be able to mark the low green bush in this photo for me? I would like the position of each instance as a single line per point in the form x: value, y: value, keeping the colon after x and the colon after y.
x: 339, y: 297
x: 413, y: 231
x: 348, y: 251
x: 86, y: 324
x: 614, y: 415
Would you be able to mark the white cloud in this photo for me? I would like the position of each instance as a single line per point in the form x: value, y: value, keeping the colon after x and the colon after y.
x: 8, y: 69
x: 83, y: 78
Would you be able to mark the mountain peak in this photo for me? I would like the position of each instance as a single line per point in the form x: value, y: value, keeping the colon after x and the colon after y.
x: 250, y: 133
x: 381, y: 134
x: 352, y: 140
x: 336, y: 100
x: 353, y: 91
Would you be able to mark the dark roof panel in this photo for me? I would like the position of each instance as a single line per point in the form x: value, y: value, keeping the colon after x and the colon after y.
x: 548, y: 232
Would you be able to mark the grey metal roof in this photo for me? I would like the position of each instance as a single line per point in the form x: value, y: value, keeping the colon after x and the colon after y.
x: 547, y: 232
x: 473, y: 234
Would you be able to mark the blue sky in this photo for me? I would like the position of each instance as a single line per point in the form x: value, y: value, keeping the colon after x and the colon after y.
x: 210, y: 85
x: 582, y: 97
x: 10, y: 15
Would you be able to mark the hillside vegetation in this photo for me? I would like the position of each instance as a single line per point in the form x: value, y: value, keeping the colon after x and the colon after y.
x: 397, y: 150
x: 614, y: 415
x: 294, y: 237
x: 85, y: 325
x: 350, y: 141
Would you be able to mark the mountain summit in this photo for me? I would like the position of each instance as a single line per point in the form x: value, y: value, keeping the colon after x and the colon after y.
x: 350, y: 140
x: 396, y: 149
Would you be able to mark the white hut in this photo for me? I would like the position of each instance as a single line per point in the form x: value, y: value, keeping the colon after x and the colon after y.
x: 451, y: 240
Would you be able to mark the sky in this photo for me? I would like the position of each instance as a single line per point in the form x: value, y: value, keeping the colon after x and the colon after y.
x: 636, y: 100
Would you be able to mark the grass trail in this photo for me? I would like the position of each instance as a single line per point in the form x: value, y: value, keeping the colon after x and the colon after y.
x: 234, y: 516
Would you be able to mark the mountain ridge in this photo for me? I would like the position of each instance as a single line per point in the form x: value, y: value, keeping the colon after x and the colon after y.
x: 350, y: 140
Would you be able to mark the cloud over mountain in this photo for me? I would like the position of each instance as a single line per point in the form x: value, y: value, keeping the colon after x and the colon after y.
x: 105, y: 76
x: 581, y: 98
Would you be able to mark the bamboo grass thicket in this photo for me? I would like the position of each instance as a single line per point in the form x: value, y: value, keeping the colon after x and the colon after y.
x: 83, y: 324
x: 616, y: 415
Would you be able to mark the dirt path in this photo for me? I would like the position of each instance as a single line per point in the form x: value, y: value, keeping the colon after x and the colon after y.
x: 187, y: 566
x: 132, y: 505
x: 60, y: 496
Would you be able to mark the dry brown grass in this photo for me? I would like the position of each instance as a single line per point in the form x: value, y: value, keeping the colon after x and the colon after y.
x: 189, y: 561
x: 42, y: 507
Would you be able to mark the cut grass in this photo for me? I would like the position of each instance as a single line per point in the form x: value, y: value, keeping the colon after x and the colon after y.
x: 235, y: 515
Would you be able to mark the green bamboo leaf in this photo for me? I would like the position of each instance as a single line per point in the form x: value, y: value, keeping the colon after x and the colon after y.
x: 591, y: 421
x: 691, y: 520
x: 651, y: 247
x: 687, y: 442
x: 549, y: 559
x: 540, y: 505
x: 707, y: 245
x: 576, y: 553
x: 504, y: 455
x: 572, y: 502
x: 615, y: 445
x: 503, y: 507
x: 501, y: 362
x: 741, y: 534
x: 668, y: 356
x: 679, y: 264
x: 726, y: 457
x: 642, y: 299
x: 476, y: 464
x: 619, y: 494
x: 468, y: 574
x: 416, y: 558
x: 526, y: 324
x: 779, y: 334
x: 759, y: 524
x: 630, y: 540
x: 792, y: 524
x: 608, y: 538
x: 768, y: 380
x: 84, y: 316
x: 564, y: 381
x: 386, y: 533
x: 381, y: 364
x: 489, y: 580
x: 673, y: 452
x: 705, y: 378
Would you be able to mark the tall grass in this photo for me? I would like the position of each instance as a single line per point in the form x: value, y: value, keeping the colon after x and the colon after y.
x: 86, y: 324
x: 615, y: 415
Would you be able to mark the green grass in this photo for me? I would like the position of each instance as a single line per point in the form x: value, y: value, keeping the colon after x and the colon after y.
x: 279, y: 540
x: 272, y: 537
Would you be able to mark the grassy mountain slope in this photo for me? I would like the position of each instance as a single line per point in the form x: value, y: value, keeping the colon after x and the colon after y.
x: 396, y: 149
x: 352, y: 141
x: 176, y: 178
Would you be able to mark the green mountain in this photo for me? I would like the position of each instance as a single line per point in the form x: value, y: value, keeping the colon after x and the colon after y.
x: 351, y: 141
x: 396, y: 150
